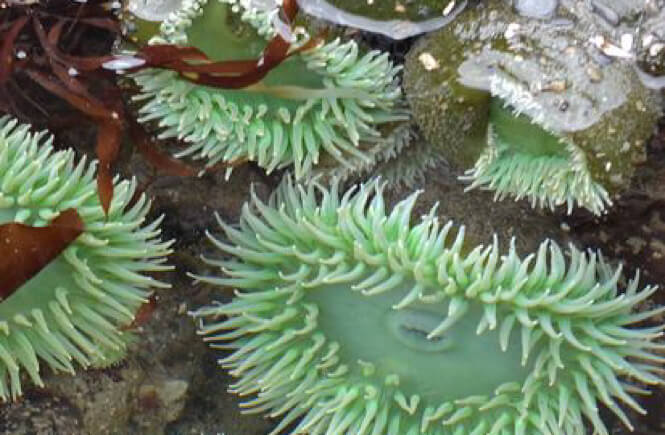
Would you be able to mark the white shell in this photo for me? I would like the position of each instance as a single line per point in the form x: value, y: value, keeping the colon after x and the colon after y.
x: 536, y: 8
x: 153, y: 10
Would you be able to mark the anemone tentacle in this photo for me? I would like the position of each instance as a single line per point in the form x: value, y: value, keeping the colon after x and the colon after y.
x: 348, y: 319
x: 276, y: 122
x: 401, y: 158
x: 546, y: 181
x: 74, y: 309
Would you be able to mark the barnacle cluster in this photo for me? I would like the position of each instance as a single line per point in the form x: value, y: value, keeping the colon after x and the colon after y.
x: 651, y: 49
x: 75, y: 308
x: 348, y: 319
x: 327, y: 99
x: 531, y: 108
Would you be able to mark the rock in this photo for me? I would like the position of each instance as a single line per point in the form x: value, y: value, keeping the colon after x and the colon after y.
x: 164, y: 398
x: 40, y: 414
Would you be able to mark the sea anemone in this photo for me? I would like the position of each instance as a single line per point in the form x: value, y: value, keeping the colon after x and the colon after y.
x: 401, y: 158
x: 537, y: 108
x: 327, y: 98
x: 79, y: 306
x: 349, y: 320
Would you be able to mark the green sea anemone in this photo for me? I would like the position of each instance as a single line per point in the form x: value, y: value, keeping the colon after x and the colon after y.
x: 401, y: 158
x: 329, y: 98
x: 78, y: 307
x: 543, y: 109
x: 349, y: 320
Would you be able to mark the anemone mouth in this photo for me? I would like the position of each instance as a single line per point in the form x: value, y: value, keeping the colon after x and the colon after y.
x: 412, y: 327
x: 410, y: 342
x: 525, y: 159
x: 74, y: 310
x: 327, y: 99
x: 337, y: 299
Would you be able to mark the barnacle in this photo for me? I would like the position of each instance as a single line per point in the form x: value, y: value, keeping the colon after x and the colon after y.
x: 327, y: 98
x: 76, y: 309
x: 529, y: 108
x: 348, y: 319
x: 651, y: 51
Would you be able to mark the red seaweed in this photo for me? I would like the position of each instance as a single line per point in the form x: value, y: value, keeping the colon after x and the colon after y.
x: 151, y: 153
x: 232, y: 74
x: 65, y: 75
x: 27, y: 250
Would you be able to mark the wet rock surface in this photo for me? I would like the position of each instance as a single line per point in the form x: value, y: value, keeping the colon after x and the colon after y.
x: 414, y: 10
x: 634, y: 229
x: 40, y: 413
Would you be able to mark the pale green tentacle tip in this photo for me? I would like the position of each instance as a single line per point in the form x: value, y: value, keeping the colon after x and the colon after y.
x: 76, y: 310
